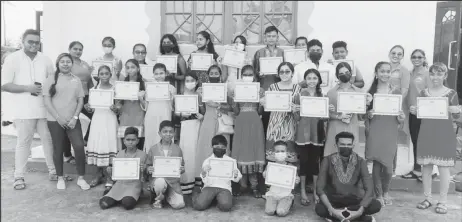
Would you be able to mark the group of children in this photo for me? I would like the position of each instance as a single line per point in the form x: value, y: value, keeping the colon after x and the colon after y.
x: 259, y: 136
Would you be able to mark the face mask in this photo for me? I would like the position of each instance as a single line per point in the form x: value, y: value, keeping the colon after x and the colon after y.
x: 344, y: 78
x: 247, y: 78
x: 218, y: 152
x: 280, y: 157
x: 214, y: 79
x: 167, y: 48
x: 345, y: 151
x: 315, y: 56
x: 107, y: 50
x: 190, y: 85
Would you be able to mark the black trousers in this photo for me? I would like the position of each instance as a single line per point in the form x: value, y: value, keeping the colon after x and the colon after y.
x: 265, y: 116
x: 414, y: 128
x: 352, y: 204
x: 127, y: 202
x: 67, y: 146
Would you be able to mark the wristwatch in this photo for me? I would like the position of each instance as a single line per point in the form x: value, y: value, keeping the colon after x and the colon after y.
x: 76, y: 117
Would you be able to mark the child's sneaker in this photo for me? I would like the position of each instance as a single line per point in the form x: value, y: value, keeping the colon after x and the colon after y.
x: 61, y: 185
x: 157, y: 204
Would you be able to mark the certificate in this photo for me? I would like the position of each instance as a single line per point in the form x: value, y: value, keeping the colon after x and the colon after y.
x: 201, y: 61
x: 281, y: 175
x: 234, y: 58
x: 278, y: 101
x: 247, y: 92
x: 157, y: 91
x: 325, y: 75
x: 386, y: 104
x: 100, y: 98
x: 126, y: 90
x: 216, y: 92
x: 121, y: 131
x: 97, y: 63
x: 314, y: 106
x: 269, y: 65
x: 221, y: 168
x: 170, y: 61
x: 351, y: 102
x: 126, y: 169
x: 432, y: 108
x: 187, y: 103
x: 147, y: 71
x: 349, y: 61
x: 167, y: 167
x: 295, y: 56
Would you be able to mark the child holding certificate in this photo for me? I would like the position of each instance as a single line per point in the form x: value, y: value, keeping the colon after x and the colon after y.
x: 166, y: 188
x: 279, y: 200
x: 126, y: 192
x: 204, y: 45
x: 249, y: 140
x: 158, y: 110
x: 231, y: 74
x: 310, y: 135
x: 437, y: 140
x: 190, y: 125
x: 216, y: 188
x: 169, y: 46
x: 132, y: 111
x: 108, y: 44
x: 103, y: 143
x: 382, y: 135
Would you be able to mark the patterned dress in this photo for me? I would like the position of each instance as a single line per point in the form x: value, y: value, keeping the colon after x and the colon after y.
x: 282, y: 126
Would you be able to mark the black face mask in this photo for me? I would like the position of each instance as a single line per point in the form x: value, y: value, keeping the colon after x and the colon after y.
x: 345, y: 151
x: 344, y: 78
x: 214, y: 79
x: 315, y: 56
x: 218, y: 152
x: 167, y: 48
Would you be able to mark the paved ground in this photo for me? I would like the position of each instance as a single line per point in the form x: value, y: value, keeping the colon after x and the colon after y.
x: 40, y: 201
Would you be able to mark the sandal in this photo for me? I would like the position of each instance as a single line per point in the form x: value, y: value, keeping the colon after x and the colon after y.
x: 256, y: 193
x: 387, y: 200
x: 70, y: 160
x: 410, y: 175
x: 19, y: 184
x: 97, y: 181
x: 54, y: 177
x: 157, y: 204
x: 305, y: 202
x: 441, y: 208
x: 424, y: 205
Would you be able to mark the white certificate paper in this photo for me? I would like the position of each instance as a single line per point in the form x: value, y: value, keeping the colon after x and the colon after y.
x: 234, y: 58
x: 121, y: 131
x: 167, y: 167
x: 157, y: 91
x: 221, y: 168
x: 324, y: 77
x: 187, y: 103
x: 351, y: 102
x: 295, y: 56
x: 269, y: 65
x: 170, y: 61
x: 349, y: 61
x: 97, y: 63
x: 147, y: 71
x: 314, y: 106
x: 216, y: 92
x: 387, y: 104
x: 100, y: 98
x: 201, y: 61
x: 126, y: 169
x: 126, y: 90
x: 432, y: 108
x: 247, y: 92
x: 281, y: 175
x: 278, y: 101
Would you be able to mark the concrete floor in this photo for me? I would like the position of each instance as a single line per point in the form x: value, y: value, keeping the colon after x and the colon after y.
x: 41, y: 201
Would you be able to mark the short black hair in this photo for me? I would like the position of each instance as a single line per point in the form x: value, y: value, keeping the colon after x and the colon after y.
x: 301, y: 38
x: 30, y: 32
x: 131, y: 131
x: 139, y: 44
x: 219, y: 140
x: 166, y: 123
x: 280, y: 143
x: 339, y: 44
x: 271, y: 29
x: 314, y: 42
x: 344, y: 134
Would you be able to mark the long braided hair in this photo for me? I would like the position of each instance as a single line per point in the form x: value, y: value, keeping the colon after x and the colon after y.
x: 52, y: 90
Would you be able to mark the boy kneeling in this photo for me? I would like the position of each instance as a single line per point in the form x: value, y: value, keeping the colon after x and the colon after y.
x: 216, y: 188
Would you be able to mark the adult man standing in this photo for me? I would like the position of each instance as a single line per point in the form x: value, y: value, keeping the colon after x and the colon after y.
x: 338, y: 185
x: 22, y: 74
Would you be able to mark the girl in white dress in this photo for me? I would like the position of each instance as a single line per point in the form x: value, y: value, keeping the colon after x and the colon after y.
x: 231, y: 74
x: 102, y: 143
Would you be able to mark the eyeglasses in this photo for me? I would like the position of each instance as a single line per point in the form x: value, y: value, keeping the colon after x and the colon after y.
x: 140, y: 52
x: 31, y: 42
x: 417, y: 57
x: 284, y: 72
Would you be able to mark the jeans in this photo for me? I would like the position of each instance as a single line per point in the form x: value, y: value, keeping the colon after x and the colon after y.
x: 59, y: 135
x: 25, y: 131
x: 350, y: 203
x: 208, y: 194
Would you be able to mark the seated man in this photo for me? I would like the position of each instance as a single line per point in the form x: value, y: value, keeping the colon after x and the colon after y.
x: 338, y: 185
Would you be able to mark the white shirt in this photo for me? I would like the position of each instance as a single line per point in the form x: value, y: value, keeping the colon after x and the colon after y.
x: 19, y: 69
x: 301, y: 68
x: 218, y: 182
